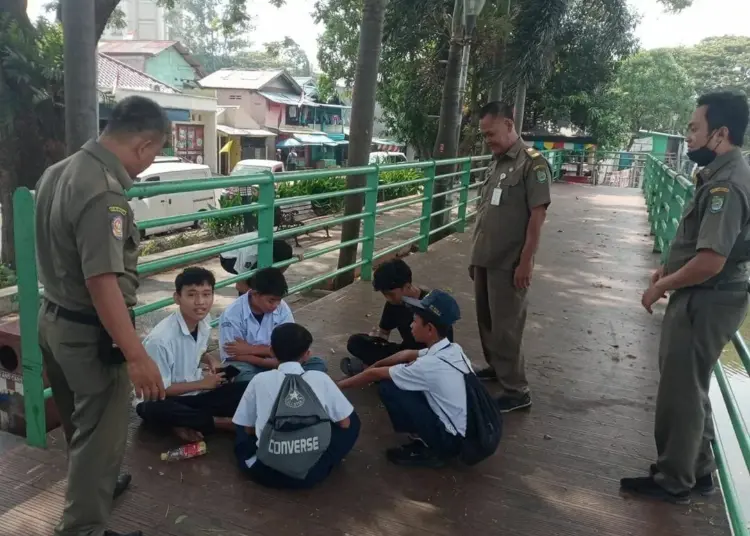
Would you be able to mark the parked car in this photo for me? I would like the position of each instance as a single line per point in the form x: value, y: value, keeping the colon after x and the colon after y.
x: 386, y: 157
x: 248, y: 167
x: 171, y: 169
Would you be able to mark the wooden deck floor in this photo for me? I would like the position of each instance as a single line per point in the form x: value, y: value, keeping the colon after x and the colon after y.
x: 591, y: 354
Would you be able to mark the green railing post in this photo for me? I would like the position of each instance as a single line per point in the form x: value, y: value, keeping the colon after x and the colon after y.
x: 266, y: 197
x: 463, y: 196
x: 424, y: 225
x: 28, y: 310
x: 372, y: 180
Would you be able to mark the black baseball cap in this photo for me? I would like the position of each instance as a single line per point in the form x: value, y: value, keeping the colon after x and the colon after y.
x: 438, y: 307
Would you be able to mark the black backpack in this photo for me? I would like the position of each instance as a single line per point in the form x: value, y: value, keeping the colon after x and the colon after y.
x: 484, y: 423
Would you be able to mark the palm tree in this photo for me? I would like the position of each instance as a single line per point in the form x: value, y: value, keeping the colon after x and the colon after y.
x: 360, y: 132
x: 531, y: 49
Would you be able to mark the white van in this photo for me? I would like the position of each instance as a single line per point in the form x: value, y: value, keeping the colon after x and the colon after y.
x: 164, y: 205
x: 387, y: 157
x: 246, y: 167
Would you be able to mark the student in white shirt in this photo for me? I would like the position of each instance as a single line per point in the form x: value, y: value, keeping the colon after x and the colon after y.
x: 290, y: 344
x: 245, y: 259
x: 424, y: 390
x: 245, y: 326
x: 196, y: 404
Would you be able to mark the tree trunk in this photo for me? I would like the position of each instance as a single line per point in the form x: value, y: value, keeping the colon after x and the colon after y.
x: 7, y: 185
x: 520, y: 105
x: 467, y: 146
x: 446, y: 144
x: 360, y: 132
x: 81, y: 102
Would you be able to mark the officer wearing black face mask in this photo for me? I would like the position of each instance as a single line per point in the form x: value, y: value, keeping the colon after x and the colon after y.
x: 706, y: 273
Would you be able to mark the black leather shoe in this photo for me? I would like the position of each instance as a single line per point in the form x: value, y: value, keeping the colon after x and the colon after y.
x: 122, y: 484
x: 113, y: 533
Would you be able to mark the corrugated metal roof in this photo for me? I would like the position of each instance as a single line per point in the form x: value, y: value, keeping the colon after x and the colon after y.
x: 115, y: 74
x: 286, y: 98
x: 314, y: 139
x: 125, y: 46
x: 148, y: 48
x: 239, y: 79
x: 251, y: 132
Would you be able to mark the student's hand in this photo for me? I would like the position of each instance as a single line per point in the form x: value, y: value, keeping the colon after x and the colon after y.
x: 238, y: 347
x: 212, y: 381
x: 211, y: 362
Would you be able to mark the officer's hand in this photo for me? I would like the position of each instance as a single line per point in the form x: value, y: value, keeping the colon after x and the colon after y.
x: 658, y: 274
x: 522, y: 275
x: 471, y: 272
x: 652, y: 295
x: 212, y: 381
x: 146, y: 379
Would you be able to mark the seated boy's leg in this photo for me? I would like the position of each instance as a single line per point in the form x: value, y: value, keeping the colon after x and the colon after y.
x: 247, y: 371
x: 342, y: 443
x: 222, y: 401
x: 369, y: 349
x: 315, y: 363
x: 411, y: 414
x: 173, y: 412
x: 245, y: 447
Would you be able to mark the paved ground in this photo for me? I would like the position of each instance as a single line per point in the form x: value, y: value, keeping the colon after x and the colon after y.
x: 591, y: 354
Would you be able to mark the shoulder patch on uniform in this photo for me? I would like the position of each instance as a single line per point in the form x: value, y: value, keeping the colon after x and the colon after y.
x: 542, y: 174
x: 116, y: 223
x: 719, y: 190
x: 116, y: 209
x: 533, y: 153
x: 717, y: 203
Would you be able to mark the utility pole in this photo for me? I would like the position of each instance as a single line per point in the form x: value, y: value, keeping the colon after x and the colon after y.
x: 80, y: 62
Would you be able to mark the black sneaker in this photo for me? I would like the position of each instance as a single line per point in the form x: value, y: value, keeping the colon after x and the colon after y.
x: 645, y: 486
x: 487, y: 374
x: 508, y: 404
x: 703, y: 485
x: 351, y: 366
x: 415, y: 454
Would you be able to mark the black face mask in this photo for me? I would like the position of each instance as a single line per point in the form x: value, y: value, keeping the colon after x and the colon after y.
x: 703, y: 156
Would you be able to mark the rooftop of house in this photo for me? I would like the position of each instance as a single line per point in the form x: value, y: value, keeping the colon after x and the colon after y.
x: 246, y: 79
x: 112, y: 74
x: 148, y: 48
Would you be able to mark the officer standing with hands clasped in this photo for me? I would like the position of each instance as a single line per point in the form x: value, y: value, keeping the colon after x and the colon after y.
x: 512, y: 209
x: 706, y: 272
x: 87, y: 250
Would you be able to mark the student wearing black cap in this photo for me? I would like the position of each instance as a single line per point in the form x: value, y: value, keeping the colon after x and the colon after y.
x: 424, y: 390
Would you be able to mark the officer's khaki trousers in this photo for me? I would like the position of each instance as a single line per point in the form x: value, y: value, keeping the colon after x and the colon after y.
x: 697, y: 326
x: 93, y: 402
x: 501, y: 315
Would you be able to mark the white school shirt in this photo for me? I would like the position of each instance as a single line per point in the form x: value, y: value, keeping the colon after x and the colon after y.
x: 257, y: 403
x: 174, y: 350
x: 442, y: 385
x: 244, y: 257
x: 238, y: 321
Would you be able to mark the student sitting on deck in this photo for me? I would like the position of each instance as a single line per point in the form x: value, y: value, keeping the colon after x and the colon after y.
x: 423, y: 391
x: 245, y: 326
x: 279, y: 457
x: 195, y: 404
x: 394, y: 280
x: 245, y: 259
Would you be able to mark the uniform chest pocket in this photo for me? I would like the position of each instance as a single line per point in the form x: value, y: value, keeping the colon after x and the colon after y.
x: 512, y: 188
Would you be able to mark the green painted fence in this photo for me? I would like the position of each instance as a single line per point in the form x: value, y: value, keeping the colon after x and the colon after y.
x: 462, y: 183
x: 667, y: 193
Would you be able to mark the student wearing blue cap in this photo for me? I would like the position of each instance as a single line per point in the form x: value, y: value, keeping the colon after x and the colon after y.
x: 424, y: 390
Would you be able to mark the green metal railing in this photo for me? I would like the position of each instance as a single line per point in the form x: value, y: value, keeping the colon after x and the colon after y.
x: 459, y: 182
x: 667, y: 193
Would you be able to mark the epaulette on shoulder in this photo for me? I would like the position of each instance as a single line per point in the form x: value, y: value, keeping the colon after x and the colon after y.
x: 533, y: 153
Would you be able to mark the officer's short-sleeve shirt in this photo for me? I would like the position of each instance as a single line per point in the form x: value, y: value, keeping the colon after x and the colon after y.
x: 256, y: 404
x: 85, y: 227
x: 717, y: 218
x: 515, y: 183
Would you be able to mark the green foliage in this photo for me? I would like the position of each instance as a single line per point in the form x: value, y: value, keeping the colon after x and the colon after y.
x: 7, y: 276
x: 226, y: 226
x: 652, y: 92
x: 399, y: 176
x: 717, y: 63
x: 316, y: 186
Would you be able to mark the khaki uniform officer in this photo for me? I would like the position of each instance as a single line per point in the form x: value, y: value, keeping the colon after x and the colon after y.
x: 512, y: 209
x: 707, y: 270
x: 87, y: 250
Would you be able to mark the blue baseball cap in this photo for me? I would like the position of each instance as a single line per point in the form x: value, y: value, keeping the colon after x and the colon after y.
x: 438, y: 307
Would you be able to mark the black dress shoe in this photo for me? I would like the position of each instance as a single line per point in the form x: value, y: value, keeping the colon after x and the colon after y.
x: 122, y: 484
